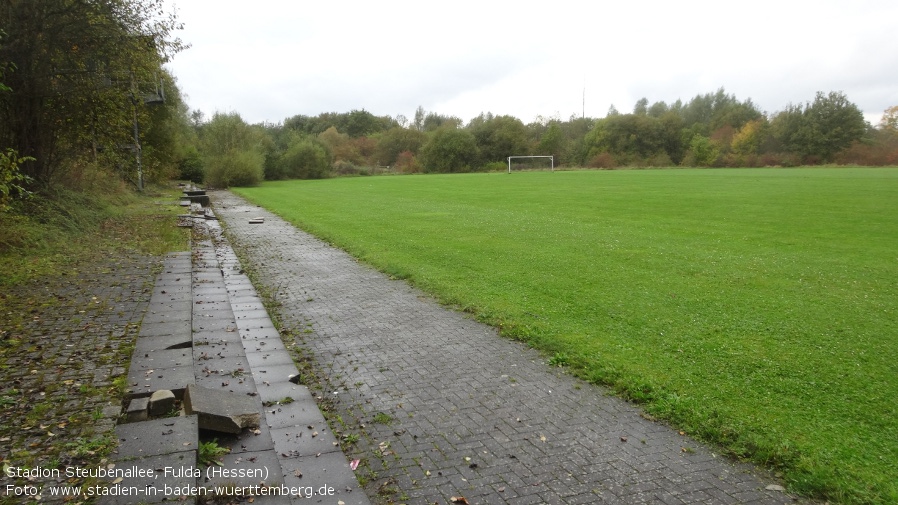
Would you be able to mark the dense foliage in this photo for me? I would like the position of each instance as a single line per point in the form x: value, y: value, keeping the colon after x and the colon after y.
x: 80, y: 78
x: 711, y: 130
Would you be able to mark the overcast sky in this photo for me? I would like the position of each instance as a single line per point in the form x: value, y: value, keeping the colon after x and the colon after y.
x: 272, y: 59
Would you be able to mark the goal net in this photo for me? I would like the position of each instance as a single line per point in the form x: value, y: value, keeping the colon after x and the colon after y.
x: 531, y: 163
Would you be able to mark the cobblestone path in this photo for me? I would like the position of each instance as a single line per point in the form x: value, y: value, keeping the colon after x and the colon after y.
x: 64, y: 352
x: 444, y: 408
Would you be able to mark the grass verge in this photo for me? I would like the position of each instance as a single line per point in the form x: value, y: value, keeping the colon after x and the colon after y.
x: 57, y: 228
x: 752, y: 308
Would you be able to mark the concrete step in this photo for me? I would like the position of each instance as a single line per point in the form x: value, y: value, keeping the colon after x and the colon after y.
x: 207, y: 331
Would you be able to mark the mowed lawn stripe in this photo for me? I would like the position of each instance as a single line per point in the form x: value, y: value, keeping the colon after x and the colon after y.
x: 755, y: 308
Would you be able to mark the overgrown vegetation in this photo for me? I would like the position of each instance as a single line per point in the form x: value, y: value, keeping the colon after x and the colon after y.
x: 59, y: 227
x: 752, y: 308
x: 79, y: 77
x: 710, y: 130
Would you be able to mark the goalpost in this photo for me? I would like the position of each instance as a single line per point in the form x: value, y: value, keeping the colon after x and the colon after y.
x: 551, y: 159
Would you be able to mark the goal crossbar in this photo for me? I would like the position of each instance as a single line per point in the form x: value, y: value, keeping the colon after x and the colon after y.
x: 551, y: 158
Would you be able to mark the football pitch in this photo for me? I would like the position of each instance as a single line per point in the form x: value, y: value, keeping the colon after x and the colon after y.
x: 754, y: 308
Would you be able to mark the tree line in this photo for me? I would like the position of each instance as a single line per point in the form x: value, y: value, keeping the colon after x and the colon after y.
x: 83, y: 90
x: 710, y: 130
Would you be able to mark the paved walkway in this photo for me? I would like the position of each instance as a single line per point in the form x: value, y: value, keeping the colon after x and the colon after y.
x: 444, y: 408
x: 207, y: 336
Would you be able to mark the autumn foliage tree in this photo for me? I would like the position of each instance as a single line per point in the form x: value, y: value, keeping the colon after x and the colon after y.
x: 79, y: 71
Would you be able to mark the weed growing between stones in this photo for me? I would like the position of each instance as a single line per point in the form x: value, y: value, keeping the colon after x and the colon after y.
x: 210, y: 453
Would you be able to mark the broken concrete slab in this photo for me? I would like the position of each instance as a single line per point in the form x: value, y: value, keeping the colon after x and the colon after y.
x: 161, y: 402
x: 144, y: 382
x: 158, y: 436
x: 146, y: 344
x: 222, y: 411
x: 248, y: 440
x: 138, y: 409
x: 244, y: 386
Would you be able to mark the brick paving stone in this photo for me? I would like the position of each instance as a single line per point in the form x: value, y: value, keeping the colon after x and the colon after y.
x: 64, y: 345
x: 453, y: 389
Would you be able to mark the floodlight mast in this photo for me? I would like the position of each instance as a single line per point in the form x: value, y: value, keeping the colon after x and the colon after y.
x: 551, y: 158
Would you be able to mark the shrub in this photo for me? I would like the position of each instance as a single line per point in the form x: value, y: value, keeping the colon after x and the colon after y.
x: 495, y: 166
x: 602, y: 160
x: 660, y: 160
x: 407, y: 163
x: 191, y: 168
x: 347, y: 168
x: 449, y: 150
x: 237, y: 168
x: 306, y: 159
x: 11, y: 177
x: 703, y: 152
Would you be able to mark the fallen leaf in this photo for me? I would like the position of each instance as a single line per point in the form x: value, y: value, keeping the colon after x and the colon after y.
x: 460, y: 499
x: 542, y: 438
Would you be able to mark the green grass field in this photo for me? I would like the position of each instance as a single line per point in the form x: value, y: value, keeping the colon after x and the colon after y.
x: 755, y: 308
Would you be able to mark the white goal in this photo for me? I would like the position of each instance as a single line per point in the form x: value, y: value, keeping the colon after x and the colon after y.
x: 532, y: 166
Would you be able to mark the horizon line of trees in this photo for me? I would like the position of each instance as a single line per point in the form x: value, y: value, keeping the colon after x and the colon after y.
x: 710, y: 130
x: 83, y: 91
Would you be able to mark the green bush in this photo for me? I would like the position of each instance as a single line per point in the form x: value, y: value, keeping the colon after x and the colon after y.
x: 495, y: 166
x: 449, y: 150
x: 11, y: 178
x: 347, y: 168
x: 191, y: 167
x: 306, y: 159
x: 236, y: 168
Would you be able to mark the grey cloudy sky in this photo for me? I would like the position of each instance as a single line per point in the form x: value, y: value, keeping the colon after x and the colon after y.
x: 272, y: 59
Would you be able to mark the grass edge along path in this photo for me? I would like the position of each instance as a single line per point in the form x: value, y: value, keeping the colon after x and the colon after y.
x: 752, y: 308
